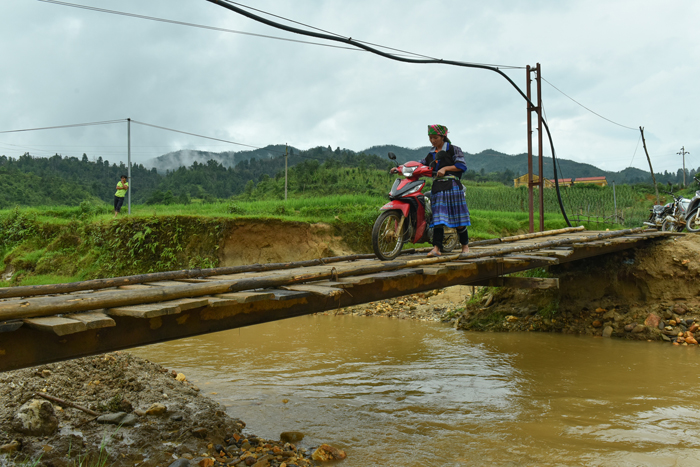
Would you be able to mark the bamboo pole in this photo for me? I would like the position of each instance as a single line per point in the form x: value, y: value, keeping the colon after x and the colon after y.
x: 47, y: 306
x: 97, y: 284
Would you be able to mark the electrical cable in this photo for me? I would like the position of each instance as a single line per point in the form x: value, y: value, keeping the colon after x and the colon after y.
x: 107, y: 122
x: 635, y: 150
x: 183, y: 23
x: 341, y: 36
x: 594, y: 113
x: 355, y: 43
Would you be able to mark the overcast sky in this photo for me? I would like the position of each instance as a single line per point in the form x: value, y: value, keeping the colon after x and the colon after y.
x: 635, y: 62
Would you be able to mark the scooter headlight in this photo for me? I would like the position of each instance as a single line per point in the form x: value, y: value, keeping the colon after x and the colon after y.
x: 413, y: 190
x: 407, y: 171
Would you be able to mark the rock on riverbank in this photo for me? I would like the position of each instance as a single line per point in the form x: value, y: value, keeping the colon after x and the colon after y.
x: 644, y: 294
x: 130, y: 412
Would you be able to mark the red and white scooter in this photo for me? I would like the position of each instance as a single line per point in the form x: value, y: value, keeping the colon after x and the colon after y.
x: 406, y: 217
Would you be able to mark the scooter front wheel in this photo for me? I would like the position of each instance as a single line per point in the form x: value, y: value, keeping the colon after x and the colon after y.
x: 387, y: 235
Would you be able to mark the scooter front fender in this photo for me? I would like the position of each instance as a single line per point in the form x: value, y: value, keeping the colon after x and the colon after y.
x: 403, y: 207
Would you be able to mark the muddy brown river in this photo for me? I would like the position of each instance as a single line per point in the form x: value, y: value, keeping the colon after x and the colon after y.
x: 405, y: 393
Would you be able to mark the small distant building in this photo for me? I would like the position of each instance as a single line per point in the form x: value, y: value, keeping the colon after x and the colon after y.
x: 563, y: 182
x: 600, y: 181
x: 522, y: 181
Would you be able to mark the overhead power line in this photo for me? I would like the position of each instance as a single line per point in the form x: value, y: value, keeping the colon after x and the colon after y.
x: 390, y: 56
x: 106, y: 122
x: 591, y: 111
x: 194, y: 25
x: 233, y: 31
x: 339, y: 35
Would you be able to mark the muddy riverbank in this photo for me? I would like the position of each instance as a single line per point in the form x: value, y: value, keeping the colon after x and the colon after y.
x: 117, y: 409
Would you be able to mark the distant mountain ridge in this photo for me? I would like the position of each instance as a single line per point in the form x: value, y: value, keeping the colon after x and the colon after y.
x: 488, y: 160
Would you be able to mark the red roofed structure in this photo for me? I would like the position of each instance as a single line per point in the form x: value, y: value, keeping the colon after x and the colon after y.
x: 600, y: 181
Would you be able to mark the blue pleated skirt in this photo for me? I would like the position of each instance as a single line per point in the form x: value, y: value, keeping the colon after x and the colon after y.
x: 450, y: 207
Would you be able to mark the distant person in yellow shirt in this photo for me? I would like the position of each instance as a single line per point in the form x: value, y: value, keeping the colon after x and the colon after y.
x: 122, y: 187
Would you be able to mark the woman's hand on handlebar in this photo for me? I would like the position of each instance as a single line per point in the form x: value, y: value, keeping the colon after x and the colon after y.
x: 394, y: 170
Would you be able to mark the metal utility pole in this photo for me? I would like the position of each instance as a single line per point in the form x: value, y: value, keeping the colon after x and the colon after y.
x: 285, y: 171
x: 530, y: 182
x: 683, y: 152
x: 653, y: 178
x: 128, y: 156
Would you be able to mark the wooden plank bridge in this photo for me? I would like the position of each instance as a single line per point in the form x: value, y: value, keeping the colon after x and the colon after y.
x: 42, y: 324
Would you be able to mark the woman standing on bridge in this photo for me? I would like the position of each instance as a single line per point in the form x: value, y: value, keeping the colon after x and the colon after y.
x: 447, y: 198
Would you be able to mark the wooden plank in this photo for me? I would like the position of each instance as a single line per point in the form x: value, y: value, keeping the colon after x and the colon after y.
x: 134, y: 287
x: 400, y: 274
x: 188, y: 303
x: 434, y: 270
x: 563, y: 252
x: 244, y: 297
x: 533, y: 257
x: 145, y: 311
x: 93, y: 319
x: 58, y: 325
x: 330, y: 292
x: 282, y: 295
x: 167, y: 283
x: 9, y: 326
x: 520, y: 282
x: 339, y: 285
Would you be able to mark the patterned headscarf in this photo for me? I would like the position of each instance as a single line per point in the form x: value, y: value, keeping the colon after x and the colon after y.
x: 437, y: 130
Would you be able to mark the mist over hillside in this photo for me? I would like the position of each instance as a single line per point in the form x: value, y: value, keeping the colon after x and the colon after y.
x: 487, y: 161
x: 186, y: 157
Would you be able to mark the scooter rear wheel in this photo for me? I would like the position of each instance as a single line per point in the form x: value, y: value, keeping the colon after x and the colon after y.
x: 387, y: 241
x: 450, y: 241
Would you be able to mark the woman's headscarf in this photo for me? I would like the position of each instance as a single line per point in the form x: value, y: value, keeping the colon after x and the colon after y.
x: 438, y: 130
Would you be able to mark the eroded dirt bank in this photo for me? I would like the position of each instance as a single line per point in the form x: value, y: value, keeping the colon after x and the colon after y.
x: 278, y: 242
x: 143, y: 415
x: 650, y: 294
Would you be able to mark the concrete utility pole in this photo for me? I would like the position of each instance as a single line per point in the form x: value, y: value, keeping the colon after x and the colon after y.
x: 653, y: 179
x: 683, y: 152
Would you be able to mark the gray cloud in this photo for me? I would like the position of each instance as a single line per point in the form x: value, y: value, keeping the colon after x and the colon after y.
x: 634, y: 62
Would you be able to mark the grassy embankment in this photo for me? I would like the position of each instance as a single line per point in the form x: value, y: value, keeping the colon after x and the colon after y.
x: 64, y: 244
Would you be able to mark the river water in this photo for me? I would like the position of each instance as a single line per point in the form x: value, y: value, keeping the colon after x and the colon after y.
x: 405, y: 393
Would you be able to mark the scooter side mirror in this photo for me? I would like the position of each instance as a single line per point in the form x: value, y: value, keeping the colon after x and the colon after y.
x: 392, y: 156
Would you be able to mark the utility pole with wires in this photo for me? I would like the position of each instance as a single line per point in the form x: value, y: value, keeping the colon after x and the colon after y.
x: 683, y: 152
x: 530, y: 179
x: 653, y: 179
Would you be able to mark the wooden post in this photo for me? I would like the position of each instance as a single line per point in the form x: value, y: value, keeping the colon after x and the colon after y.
x: 530, y: 203
x: 653, y: 179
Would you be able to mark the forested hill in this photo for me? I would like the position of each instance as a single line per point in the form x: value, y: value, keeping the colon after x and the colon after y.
x: 490, y: 161
x: 57, y: 180
x: 485, y: 162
